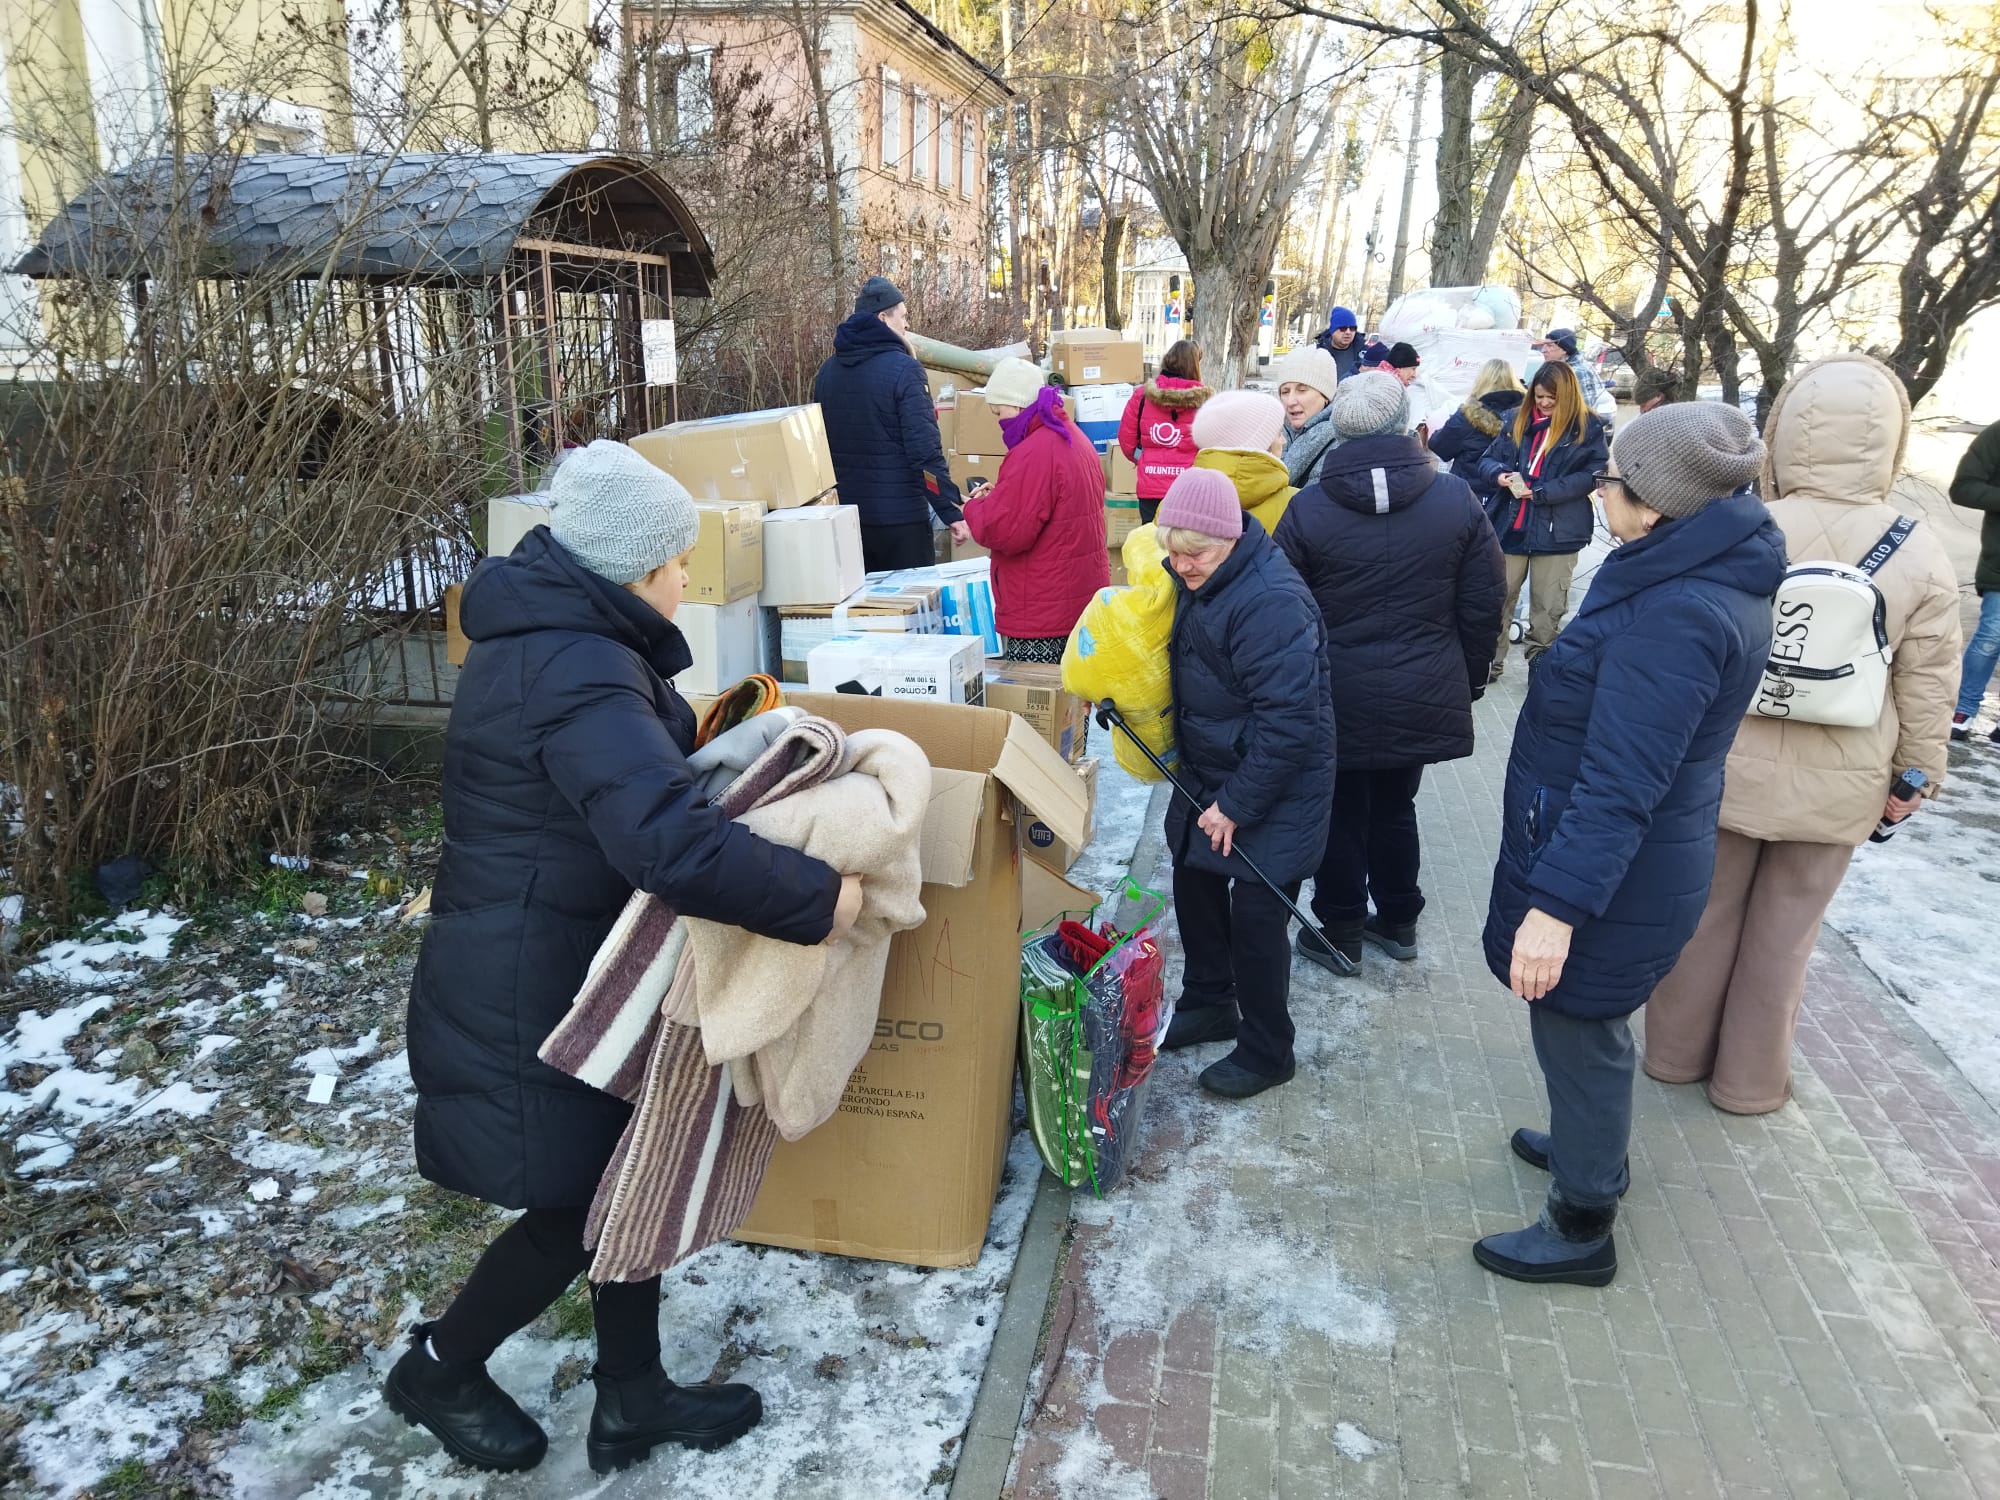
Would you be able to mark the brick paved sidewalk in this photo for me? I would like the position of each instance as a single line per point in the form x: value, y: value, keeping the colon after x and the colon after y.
x: 1806, y: 1303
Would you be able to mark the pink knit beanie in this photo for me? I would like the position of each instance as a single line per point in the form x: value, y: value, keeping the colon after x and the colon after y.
x: 1203, y: 500
x: 1250, y: 420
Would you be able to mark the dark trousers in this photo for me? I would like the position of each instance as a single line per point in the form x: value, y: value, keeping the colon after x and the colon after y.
x: 520, y: 1276
x: 1588, y: 1068
x: 1236, y: 944
x: 907, y: 544
x: 1371, y: 849
x: 1147, y: 510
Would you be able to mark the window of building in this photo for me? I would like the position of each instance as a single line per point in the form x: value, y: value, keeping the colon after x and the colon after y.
x: 920, y: 133
x: 945, y: 147
x: 968, y: 160
x: 892, y: 119
x: 676, y: 95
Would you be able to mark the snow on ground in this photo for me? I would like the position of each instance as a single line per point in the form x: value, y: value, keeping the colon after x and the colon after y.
x: 1923, y: 911
x: 868, y: 1373
x: 119, y: 945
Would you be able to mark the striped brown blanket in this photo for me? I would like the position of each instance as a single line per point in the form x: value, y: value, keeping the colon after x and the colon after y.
x: 688, y: 1166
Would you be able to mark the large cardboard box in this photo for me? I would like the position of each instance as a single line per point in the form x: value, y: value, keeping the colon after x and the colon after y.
x: 456, y: 643
x: 812, y: 555
x: 1121, y: 475
x: 942, y: 668
x: 1099, y: 409
x: 1096, y: 356
x: 727, y: 563
x: 1121, y: 519
x: 1034, y: 690
x: 1041, y: 842
x: 974, y: 427
x: 968, y: 469
x: 908, y: 1167
x: 727, y: 641
x: 778, y: 458
x: 511, y: 517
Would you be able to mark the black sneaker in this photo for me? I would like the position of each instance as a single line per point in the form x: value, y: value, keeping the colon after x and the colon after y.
x: 1231, y: 1080
x: 1196, y: 1024
x: 1398, y: 941
x: 459, y: 1405
x: 636, y: 1414
x: 1345, y: 955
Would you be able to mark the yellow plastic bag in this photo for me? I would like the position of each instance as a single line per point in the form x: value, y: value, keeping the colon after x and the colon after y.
x: 1142, y: 555
x: 1119, y: 651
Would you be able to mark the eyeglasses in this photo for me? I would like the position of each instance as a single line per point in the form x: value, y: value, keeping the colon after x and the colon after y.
x: 1599, y: 481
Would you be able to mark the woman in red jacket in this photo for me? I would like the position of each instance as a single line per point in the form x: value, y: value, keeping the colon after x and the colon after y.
x: 1157, y: 430
x: 1042, y: 518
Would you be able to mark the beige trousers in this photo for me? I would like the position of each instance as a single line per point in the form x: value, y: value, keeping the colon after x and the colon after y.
x: 1548, y: 580
x: 1727, y: 1011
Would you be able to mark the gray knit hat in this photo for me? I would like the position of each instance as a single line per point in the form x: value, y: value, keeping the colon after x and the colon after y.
x: 1678, y: 458
x: 617, y: 515
x: 1370, y: 403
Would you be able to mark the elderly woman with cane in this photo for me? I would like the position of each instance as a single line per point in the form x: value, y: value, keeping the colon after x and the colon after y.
x: 1253, y: 724
x: 1608, y: 839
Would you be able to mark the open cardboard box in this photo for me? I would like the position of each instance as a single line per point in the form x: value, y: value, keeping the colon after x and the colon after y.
x: 908, y: 1168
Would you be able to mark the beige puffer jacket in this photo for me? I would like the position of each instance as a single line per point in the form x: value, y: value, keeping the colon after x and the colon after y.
x: 1837, y: 435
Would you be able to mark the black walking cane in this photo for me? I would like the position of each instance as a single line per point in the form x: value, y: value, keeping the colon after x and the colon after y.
x: 1107, y: 717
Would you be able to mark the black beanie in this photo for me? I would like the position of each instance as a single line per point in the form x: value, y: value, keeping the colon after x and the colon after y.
x: 1404, y: 356
x: 878, y: 295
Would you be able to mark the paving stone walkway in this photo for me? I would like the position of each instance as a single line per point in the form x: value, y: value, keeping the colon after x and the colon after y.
x: 1806, y: 1304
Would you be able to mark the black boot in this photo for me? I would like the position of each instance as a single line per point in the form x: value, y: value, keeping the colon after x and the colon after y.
x: 1346, y: 939
x: 1231, y: 1079
x: 1193, y: 1025
x: 1398, y: 939
x: 637, y: 1413
x: 1569, y: 1243
x: 462, y: 1408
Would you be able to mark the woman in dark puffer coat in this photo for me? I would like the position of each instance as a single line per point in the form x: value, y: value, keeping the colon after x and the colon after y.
x: 1607, y: 842
x: 1407, y: 575
x: 1537, y: 477
x: 1470, y: 431
x: 565, y: 788
x: 1253, y: 725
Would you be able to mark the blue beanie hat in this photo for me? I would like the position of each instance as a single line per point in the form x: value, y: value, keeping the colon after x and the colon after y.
x: 878, y: 295
x: 1340, y: 318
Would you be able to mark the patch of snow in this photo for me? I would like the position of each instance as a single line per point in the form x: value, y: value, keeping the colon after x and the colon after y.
x: 62, y: 1185
x: 263, y: 1190
x: 208, y: 1046
x: 215, y: 1222
x: 11, y: 1281
x: 163, y: 1165
x: 356, y: 1214
x: 263, y: 1153
x: 329, y: 1059
x: 389, y: 1076
x: 50, y: 1152
x: 877, y: 1425
x: 303, y: 1195
x: 1350, y: 1441
x: 78, y: 1093
x: 79, y: 962
x: 269, y: 995
x: 177, y: 1098
x: 1919, y: 911
x: 1089, y: 1470
x: 40, y: 1038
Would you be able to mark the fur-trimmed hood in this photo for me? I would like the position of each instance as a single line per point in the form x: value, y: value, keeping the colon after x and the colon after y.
x: 1176, y: 394
x: 1487, y: 413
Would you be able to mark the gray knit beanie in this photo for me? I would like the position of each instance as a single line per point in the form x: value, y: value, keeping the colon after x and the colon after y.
x: 1678, y: 458
x: 1370, y: 403
x: 617, y: 515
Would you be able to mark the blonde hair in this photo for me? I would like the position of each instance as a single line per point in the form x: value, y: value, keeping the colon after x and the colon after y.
x: 1180, y: 539
x: 1494, y: 375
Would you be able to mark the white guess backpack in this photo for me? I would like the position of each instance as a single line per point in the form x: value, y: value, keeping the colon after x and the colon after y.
x: 1830, y: 652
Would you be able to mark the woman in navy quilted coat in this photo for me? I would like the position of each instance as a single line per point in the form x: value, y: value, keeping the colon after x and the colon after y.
x: 1253, y: 727
x: 1407, y: 576
x: 1613, y: 788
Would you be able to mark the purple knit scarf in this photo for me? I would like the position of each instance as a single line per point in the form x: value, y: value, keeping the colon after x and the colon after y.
x: 1048, y: 406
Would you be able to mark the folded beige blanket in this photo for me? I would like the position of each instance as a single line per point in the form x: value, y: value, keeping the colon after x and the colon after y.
x: 804, y: 1017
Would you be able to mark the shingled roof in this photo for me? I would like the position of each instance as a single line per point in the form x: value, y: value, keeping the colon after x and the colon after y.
x: 415, y: 216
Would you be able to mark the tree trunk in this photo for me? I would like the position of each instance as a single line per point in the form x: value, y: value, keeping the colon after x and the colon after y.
x: 1226, y: 332
x: 1517, y: 131
x: 1451, y: 230
x: 1400, y: 257
x: 1111, y: 248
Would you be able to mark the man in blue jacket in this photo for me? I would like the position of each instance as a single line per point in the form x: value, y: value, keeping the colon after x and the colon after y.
x: 1342, y: 339
x: 882, y: 431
